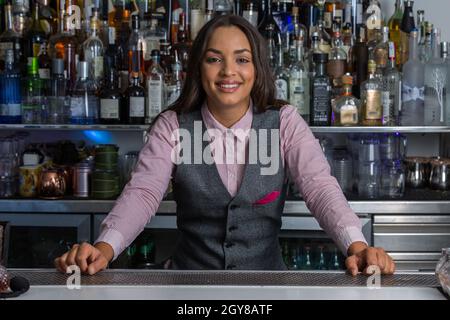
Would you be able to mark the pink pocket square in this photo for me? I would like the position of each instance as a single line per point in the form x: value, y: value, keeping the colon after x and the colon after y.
x: 270, y: 197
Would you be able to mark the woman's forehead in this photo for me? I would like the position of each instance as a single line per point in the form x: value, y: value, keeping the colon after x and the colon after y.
x: 229, y: 38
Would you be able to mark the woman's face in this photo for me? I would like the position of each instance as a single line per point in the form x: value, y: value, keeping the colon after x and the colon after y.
x: 227, y: 69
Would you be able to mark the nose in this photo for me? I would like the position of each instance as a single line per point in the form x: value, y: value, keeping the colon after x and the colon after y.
x: 228, y: 68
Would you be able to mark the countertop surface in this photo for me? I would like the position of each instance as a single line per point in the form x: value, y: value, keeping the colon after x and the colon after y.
x: 227, y: 285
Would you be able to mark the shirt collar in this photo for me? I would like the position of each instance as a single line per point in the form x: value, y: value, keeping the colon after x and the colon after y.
x: 244, y: 124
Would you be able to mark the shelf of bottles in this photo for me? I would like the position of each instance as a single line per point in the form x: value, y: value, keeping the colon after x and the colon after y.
x: 339, y: 62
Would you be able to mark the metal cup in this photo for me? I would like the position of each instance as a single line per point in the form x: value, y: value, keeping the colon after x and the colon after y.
x: 417, y: 172
x: 440, y: 174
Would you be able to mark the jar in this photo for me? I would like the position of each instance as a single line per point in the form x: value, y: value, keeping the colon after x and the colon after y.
x: 392, y: 179
x: 105, y: 184
x: 106, y: 156
x: 81, y: 180
x: 52, y: 184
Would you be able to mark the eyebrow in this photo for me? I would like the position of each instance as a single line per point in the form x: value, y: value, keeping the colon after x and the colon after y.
x: 235, y: 52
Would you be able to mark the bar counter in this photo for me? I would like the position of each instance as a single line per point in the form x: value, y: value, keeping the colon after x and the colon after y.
x: 228, y: 285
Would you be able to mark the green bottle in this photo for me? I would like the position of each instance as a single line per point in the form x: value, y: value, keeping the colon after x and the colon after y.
x: 34, y: 110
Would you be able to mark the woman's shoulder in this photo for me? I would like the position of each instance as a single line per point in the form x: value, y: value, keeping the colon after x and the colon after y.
x: 166, y: 121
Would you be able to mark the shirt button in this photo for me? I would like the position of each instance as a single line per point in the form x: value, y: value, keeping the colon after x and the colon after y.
x: 231, y: 266
x: 229, y: 244
x: 234, y: 207
x: 231, y: 229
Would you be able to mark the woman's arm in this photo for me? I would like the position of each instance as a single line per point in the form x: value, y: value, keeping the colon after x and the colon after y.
x: 142, y: 196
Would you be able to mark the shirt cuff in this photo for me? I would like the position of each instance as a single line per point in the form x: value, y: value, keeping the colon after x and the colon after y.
x: 348, y: 236
x: 114, y: 238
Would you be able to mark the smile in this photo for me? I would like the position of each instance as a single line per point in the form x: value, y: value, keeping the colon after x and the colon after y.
x: 228, y: 87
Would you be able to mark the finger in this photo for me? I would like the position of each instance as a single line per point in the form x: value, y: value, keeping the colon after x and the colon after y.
x: 351, y: 263
x: 62, y: 262
x: 57, y: 264
x: 391, y: 265
x: 84, y: 251
x: 382, y: 260
x: 97, y: 265
x: 70, y: 261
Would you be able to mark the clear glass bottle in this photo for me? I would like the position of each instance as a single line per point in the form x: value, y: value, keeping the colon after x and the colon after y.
x: 250, y: 13
x: 34, y: 107
x: 183, y: 46
x: 10, y: 39
x: 174, y: 83
x: 413, y: 87
x: 435, y: 86
x: 58, y: 112
x: 44, y: 62
x: 48, y: 17
x: 337, y: 64
x: 320, y: 93
x: 299, y: 88
x: 111, y: 99
x: 369, y: 167
x: 135, y: 49
x: 372, y: 111
x: 394, y: 28
x: 36, y: 34
x: 321, y: 265
x: 445, y: 51
x: 153, y: 35
x: 84, y: 103
x: 392, y: 86
x: 155, y: 88
x: 381, y: 50
x: 346, y: 109
x: 281, y: 79
x: 93, y: 50
x: 10, y: 91
x: 268, y: 27
x: 135, y: 101
x: 425, y: 47
x: 222, y: 7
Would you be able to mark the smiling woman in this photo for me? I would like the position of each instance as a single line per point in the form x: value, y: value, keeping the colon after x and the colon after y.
x: 228, y: 210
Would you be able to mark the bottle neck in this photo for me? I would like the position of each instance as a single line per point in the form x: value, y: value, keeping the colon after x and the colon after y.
x: 347, y: 90
x: 8, y: 18
x: 320, y: 69
x: 413, y: 48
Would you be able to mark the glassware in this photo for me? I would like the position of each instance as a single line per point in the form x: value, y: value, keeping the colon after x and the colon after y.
x: 343, y: 170
x: 369, y: 167
x: 299, y: 87
x: 10, y: 39
x: 155, y: 88
x: 393, y: 146
x: 111, y: 100
x: 440, y: 174
x: 93, y: 50
x: 34, y: 106
x: 36, y: 35
x: 281, y: 79
x: 10, y: 91
x: 394, y: 28
x: 320, y: 93
x: 393, y: 179
x: 175, y: 83
x: 58, y: 110
x: 391, y: 98
x: 346, y: 109
x: 417, y: 172
x: 407, y: 26
x: 372, y: 111
x: 127, y: 165
x: 373, y: 18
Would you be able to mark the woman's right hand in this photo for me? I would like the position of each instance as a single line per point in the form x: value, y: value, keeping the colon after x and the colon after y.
x: 90, y: 259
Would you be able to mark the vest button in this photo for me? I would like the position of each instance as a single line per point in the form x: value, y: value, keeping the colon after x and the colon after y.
x: 234, y: 207
x: 229, y: 244
x: 231, y: 229
x: 231, y: 266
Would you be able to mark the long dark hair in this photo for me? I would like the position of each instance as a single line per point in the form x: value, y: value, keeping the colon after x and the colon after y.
x: 263, y: 91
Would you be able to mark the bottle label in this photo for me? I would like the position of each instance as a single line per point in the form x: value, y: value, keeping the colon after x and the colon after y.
x: 137, y: 107
x: 388, y: 104
x: 412, y: 93
x: 282, y: 89
x: 349, y: 115
x: 328, y: 23
x: 77, y: 107
x: 3, y: 47
x: 98, y: 67
x: 321, y: 101
x: 44, y: 74
x: 381, y: 57
x: 109, y: 108
x: 297, y: 97
x: 155, y: 96
x: 150, y: 43
x: 10, y: 109
x: 374, y: 109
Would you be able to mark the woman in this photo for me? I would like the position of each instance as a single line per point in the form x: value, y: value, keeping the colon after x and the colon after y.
x: 228, y: 212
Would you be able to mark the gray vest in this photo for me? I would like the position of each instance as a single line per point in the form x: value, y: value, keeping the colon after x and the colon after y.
x: 218, y: 231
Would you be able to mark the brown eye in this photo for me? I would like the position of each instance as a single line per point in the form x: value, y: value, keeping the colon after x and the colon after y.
x: 243, y: 60
x: 212, y: 60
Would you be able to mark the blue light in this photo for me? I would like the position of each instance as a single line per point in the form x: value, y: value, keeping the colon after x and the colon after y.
x: 98, y: 137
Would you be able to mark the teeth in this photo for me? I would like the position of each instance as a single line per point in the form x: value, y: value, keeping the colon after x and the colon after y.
x: 229, y: 86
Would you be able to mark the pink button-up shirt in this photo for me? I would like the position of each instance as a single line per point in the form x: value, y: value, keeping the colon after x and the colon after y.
x: 300, y: 152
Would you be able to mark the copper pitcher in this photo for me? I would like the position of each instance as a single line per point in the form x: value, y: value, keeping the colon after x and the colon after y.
x: 52, y: 184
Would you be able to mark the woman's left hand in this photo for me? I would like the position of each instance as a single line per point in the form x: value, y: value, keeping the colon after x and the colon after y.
x: 360, y: 256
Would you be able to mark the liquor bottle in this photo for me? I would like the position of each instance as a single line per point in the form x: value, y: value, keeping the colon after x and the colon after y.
x: 44, y: 62
x: 372, y: 111
x: 48, y: 17
x: 381, y: 51
x: 166, y: 57
x: 373, y: 18
x: 10, y: 39
x: 64, y: 46
x: 34, y: 109
x: 299, y: 84
x: 360, y: 56
x: 426, y: 46
x: 135, y: 49
x: 300, y: 32
x: 111, y: 100
x: 268, y: 26
x: 84, y: 103
x: 250, y: 13
x: 307, y: 263
x: 320, y: 92
x: 324, y: 36
x: 21, y: 13
x: 113, y: 56
x: 337, y: 64
x: 93, y: 51
x: 346, y: 109
x: 435, y: 86
x: 445, y: 51
x: 421, y: 24
x: 406, y: 27
x: 209, y: 10
x: 123, y: 33
x: 36, y: 35
x: 145, y: 256
x: 315, y: 48
x: 155, y: 88
x: 334, y: 10
x: 183, y: 46
x: 413, y: 87
x: 135, y: 100
x: 197, y: 20
x: 10, y: 91
x: 392, y: 86
x: 281, y: 79
x: 58, y: 112
x: 152, y: 39
x: 334, y: 264
x: 394, y: 28
x: 321, y: 265
x: 174, y: 83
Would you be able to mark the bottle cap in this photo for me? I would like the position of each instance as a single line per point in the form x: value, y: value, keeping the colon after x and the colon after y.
x: 444, y: 49
x: 347, y: 79
x: 58, y: 66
